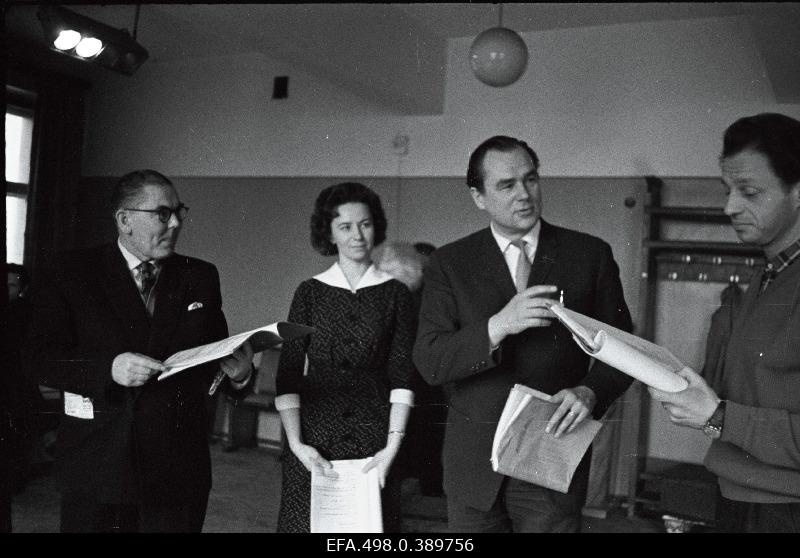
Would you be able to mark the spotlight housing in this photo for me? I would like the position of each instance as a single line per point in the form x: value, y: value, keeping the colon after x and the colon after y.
x: 112, y: 48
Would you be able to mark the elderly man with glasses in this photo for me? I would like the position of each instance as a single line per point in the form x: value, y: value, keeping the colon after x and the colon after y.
x: 132, y: 452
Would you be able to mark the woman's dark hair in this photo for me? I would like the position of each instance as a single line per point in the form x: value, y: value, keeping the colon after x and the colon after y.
x: 325, y: 210
x: 496, y: 143
x: 776, y: 136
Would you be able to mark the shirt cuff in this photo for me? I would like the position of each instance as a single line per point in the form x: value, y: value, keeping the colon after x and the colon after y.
x: 404, y: 396
x: 287, y: 401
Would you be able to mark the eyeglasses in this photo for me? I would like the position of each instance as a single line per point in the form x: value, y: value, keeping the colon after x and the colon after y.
x: 165, y: 213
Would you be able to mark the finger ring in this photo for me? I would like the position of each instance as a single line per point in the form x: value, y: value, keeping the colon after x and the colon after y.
x: 571, y: 412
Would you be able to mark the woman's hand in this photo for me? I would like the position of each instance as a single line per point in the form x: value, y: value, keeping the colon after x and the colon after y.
x: 382, y: 461
x: 312, y: 460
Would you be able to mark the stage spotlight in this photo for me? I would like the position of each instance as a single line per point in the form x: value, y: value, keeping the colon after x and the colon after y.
x: 89, y: 47
x: 84, y: 38
x: 67, y: 40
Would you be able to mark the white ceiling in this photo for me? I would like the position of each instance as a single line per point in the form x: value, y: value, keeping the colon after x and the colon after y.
x: 372, y: 49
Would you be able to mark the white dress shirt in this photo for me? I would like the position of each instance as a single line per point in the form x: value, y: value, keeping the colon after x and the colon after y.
x: 511, y: 252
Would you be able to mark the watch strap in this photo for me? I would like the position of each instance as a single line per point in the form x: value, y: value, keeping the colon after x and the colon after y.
x: 713, y: 426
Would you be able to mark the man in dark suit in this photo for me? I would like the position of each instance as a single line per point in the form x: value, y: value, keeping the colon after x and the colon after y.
x: 132, y: 452
x: 485, y: 325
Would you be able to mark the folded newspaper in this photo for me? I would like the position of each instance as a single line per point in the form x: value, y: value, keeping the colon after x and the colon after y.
x: 649, y: 363
x: 523, y: 450
x: 261, y: 339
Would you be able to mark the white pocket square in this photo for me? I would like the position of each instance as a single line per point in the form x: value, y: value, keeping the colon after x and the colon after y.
x: 195, y: 306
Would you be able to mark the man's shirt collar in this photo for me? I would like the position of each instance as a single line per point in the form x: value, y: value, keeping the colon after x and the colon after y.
x: 784, y: 258
x: 531, y: 238
x: 132, y: 261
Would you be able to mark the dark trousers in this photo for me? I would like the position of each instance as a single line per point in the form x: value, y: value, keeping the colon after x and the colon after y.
x: 5, y: 511
x: 748, y: 517
x: 522, y: 507
x: 81, y: 514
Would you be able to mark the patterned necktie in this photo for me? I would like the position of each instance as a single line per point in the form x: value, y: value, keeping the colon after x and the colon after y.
x: 523, y: 266
x: 146, y: 278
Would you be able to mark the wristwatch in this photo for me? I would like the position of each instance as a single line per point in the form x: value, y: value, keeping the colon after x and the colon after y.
x: 713, y: 427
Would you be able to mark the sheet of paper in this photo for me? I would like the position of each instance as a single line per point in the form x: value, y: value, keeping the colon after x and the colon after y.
x: 583, y: 336
x: 261, y: 338
x: 649, y: 363
x: 518, y: 398
x: 646, y: 366
x: 348, y: 503
x: 78, y: 406
x: 525, y: 451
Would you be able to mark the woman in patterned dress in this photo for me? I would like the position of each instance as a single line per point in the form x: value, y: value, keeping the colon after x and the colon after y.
x: 354, y: 399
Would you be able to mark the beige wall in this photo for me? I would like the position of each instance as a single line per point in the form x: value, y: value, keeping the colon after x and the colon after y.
x: 617, y: 101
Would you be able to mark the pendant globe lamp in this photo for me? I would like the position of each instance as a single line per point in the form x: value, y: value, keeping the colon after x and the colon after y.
x: 498, y: 56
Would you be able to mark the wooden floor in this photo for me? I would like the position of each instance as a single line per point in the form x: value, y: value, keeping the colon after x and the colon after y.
x: 246, y: 495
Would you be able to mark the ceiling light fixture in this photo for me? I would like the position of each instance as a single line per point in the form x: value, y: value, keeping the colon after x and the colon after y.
x: 67, y: 40
x: 498, y: 56
x: 84, y: 38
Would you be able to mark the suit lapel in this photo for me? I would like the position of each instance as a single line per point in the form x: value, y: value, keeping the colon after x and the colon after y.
x: 123, y: 297
x: 494, y: 266
x: 170, y: 293
x: 546, y: 253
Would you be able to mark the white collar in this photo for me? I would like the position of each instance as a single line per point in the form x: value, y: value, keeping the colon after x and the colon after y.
x: 334, y: 276
x: 132, y: 261
x: 531, y: 237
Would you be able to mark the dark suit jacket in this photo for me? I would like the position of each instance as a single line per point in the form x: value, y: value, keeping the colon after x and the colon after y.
x: 466, y: 282
x: 147, y: 443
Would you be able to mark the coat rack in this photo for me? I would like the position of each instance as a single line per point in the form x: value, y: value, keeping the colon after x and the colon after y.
x: 706, y: 267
